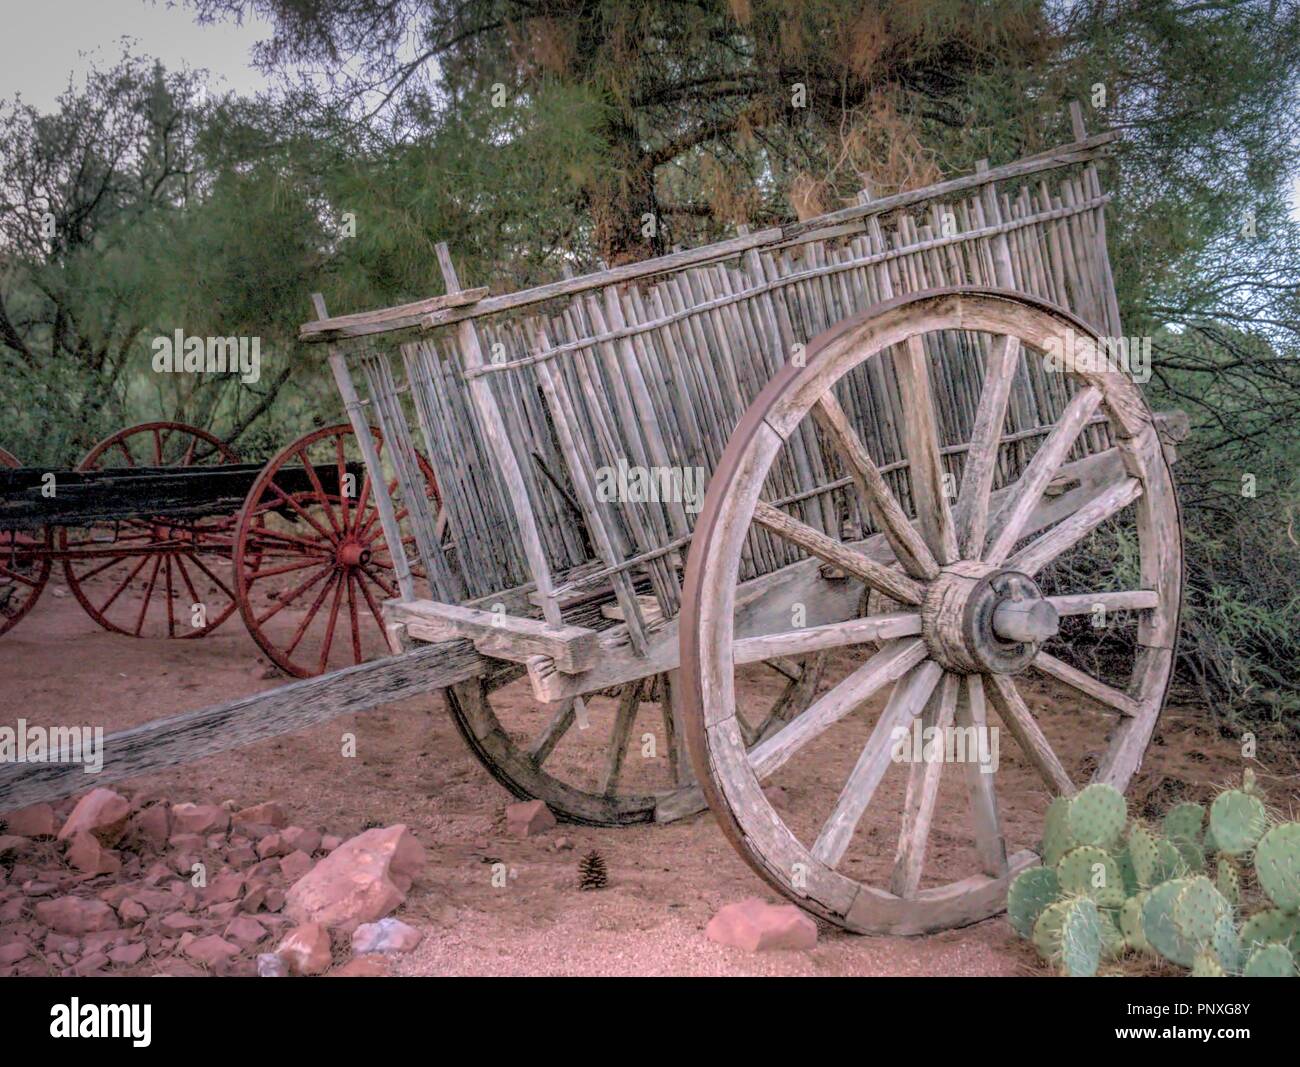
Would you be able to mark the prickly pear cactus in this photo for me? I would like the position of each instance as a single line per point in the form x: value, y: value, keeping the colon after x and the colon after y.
x: 1207, y: 965
x: 1272, y: 924
x: 1228, y: 881
x: 1238, y: 821
x: 1277, y: 865
x: 1047, y: 930
x: 1185, y: 822
x: 1226, y: 944
x: 1081, y: 938
x: 1031, y: 892
x: 1142, y: 851
x: 1091, y: 872
x: 1097, y: 816
x: 1190, y: 854
x: 1198, y: 909
x: 1169, y: 861
x: 1057, y: 840
x: 1130, y: 923
x: 1270, y: 961
x: 1158, y: 924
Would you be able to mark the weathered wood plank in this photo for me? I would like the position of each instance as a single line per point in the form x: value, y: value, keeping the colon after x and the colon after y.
x: 193, y: 735
x: 399, y: 317
x: 494, y: 633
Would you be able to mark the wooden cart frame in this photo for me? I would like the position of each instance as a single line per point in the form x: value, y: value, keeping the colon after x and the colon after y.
x: 890, y: 463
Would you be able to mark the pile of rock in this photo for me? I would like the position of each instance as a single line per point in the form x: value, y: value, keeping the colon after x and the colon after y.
x: 108, y: 884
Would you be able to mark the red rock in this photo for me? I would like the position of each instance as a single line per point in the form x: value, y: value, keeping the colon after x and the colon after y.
x: 200, y: 819
x: 38, y: 820
x: 74, y: 915
x: 225, y: 886
x: 101, y: 940
x: 269, y: 965
x: 12, y: 910
x: 56, y: 942
x: 132, y: 911
x: 152, y: 826
x: 36, y: 887
x: 182, y: 842
x: 214, y: 842
x: 211, y: 950
x: 362, y: 967
x: 265, y: 871
x: 100, y: 812
x: 12, y: 843
x: 154, y: 900
x: 298, y: 839
x: 361, y: 881
x: 273, y: 845
x: 329, y: 842
x: 268, y: 814
x: 306, y: 949
x: 387, y: 935
x: 157, y: 874
x: 295, y: 865
x: 241, y: 856
x: 528, y: 818
x: 13, y: 952
x: 90, y: 857
x: 95, y: 961
x: 245, y: 931
x: 178, y: 921
x: 274, y: 899
x: 126, y: 955
x: 223, y: 912
x: 757, y: 926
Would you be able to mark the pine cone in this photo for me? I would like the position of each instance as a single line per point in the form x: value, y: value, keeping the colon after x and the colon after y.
x: 591, y: 871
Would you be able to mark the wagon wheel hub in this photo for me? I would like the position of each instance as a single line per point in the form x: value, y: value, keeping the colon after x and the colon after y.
x: 978, y: 619
x: 353, y: 554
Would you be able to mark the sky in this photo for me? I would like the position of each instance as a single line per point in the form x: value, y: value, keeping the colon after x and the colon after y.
x: 47, y: 41
x: 43, y: 42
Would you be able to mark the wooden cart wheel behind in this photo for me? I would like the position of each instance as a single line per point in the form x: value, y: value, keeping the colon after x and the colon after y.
x: 24, y: 565
x: 854, y: 849
x: 154, y: 577
x: 312, y: 568
x: 628, y: 765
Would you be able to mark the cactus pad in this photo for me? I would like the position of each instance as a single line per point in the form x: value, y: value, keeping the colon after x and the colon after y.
x: 1272, y: 924
x: 1270, y: 961
x: 1091, y: 872
x: 1277, y: 865
x: 1226, y: 944
x: 1158, y: 923
x: 1238, y: 821
x: 1185, y: 822
x: 1198, y: 909
x: 1193, y: 859
x: 1097, y: 815
x: 1228, y: 881
x: 1169, y: 861
x: 1081, y: 938
x: 1142, y: 851
x: 1130, y: 923
x: 1031, y: 892
x: 1057, y: 840
x: 1207, y: 965
x: 1047, y: 930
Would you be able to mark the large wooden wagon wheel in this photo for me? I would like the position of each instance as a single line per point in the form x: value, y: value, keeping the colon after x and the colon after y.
x: 154, y: 577
x: 24, y: 565
x: 312, y: 567
x: 971, y: 622
x: 608, y: 773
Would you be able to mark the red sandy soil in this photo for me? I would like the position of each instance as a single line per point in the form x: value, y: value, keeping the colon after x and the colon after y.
x: 666, y: 882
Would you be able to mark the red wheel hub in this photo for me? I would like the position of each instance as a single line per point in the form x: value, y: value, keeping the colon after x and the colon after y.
x: 353, y: 554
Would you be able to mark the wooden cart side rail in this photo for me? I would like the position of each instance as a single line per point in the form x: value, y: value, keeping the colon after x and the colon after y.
x: 194, y: 735
x: 801, y: 277
x: 457, y: 307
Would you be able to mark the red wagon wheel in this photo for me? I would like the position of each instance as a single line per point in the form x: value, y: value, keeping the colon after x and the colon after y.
x: 24, y: 565
x: 312, y: 566
x: 154, y: 577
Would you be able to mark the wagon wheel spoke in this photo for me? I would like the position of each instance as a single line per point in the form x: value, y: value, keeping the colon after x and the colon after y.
x: 171, y: 608
x: 544, y: 744
x: 921, y: 445
x: 17, y: 576
x: 353, y: 620
x: 908, y: 697
x: 879, y: 577
x: 885, y: 511
x: 122, y: 588
x: 887, y: 665
x: 319, y: 491
x: 1017, y: 718
x: 284, y: 568
x: 341, y: 469
x: 305, y: 622
x: 264, y: 533
x: 375, y: 612
x: 1088, y: 685
x: 794, y: 697
x: 287, y: 598
x: 185, y: 577
x: 990, y: 845
x: 629, y: 702
x: 211, y: 575
x: 148, y: 594
x: 332, y: 621
x: 1086, y: 603
x: 923, y: 792
x: 1009, y: 524
x: 289, y: 499
x: 972, y: 509
x: 1069, y: 532
x: 820, y: 638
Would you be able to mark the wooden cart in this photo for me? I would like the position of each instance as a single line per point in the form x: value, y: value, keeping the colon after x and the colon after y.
x: 906, y: 436
x: 162, y: 532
